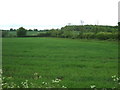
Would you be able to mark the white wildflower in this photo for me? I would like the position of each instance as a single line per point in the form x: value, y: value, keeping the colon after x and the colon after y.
x: 35, y: 74
x: 114, y: 79
x: 43, y: 82
x: 64, y: 87
x: 56, y: 81
x: 117, y: 79
x: 92, y: 86
x: 31, y: 83
x: 40, y: 76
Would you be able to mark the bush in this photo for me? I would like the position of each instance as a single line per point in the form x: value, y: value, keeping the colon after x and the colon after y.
x: 105, y: 35
x: 21, y: 32
x: 88, y: 35
x: 110, y: 35
x: 80, y: 35
x: 53, y: 33
x: 67, y: 34
x: 74, y: 34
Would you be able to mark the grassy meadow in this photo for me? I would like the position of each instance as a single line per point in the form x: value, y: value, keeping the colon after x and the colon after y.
x: 13, y: 33
x: 77, y: 63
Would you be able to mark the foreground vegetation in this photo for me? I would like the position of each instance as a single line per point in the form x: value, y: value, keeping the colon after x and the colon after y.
x: 74, y: 63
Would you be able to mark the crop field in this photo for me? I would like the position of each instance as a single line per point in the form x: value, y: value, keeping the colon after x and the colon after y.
x: 77, y: 63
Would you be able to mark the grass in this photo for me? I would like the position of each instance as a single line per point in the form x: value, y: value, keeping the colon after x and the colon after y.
x: 78, y: 63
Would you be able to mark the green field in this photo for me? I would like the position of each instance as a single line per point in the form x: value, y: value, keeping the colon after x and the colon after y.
x: 78, y: 63
x: 14, y: 33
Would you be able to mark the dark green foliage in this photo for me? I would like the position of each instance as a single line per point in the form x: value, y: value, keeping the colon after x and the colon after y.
x: 86, y: 32
x: 67, y: 34
x: 103, y: 35
x: 30, y: 30
x: 35, y: 29
x: 11, y: 29
x: 21, y: 32
x: 90, y: 28
x: 88, y: 35
x: 74, y: 32
x: 4, y: 33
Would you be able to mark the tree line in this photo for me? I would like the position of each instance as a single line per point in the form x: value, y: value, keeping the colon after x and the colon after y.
x: 84, y: 32
x: 74, y: 32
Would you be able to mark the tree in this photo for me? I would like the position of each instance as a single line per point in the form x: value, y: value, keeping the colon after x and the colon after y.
x: 35, y: 29
x: 30, y: 30
x: 21, y: 32
x: 11, y: 29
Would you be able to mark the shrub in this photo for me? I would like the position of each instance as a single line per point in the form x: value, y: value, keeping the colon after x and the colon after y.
x: 88, y: 35
x: 104, y: 35
x: 74, y: 35
x: 80, y: 35
x: 110, y: 35
x: 68, y: 34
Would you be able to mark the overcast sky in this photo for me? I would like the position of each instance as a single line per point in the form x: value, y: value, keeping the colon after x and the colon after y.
x: 47, y: 14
